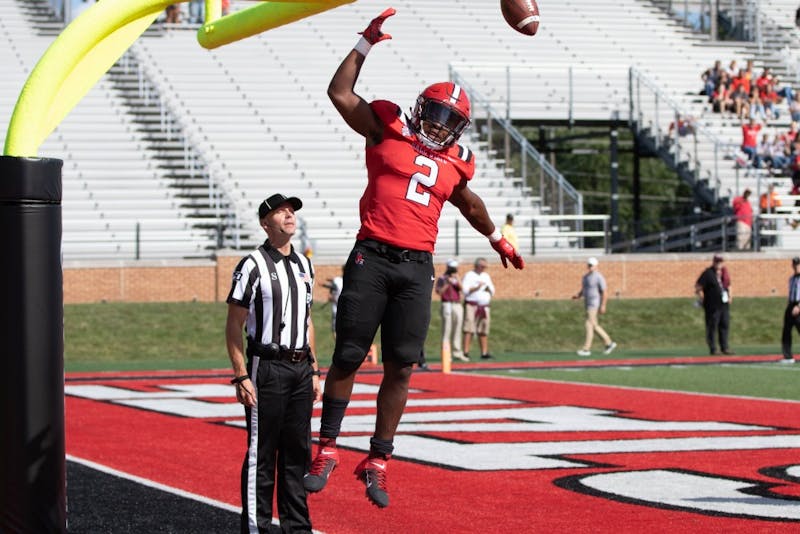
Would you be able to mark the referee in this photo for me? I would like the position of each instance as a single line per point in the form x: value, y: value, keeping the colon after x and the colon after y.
x: 791, y: 317
x: 279, y: 382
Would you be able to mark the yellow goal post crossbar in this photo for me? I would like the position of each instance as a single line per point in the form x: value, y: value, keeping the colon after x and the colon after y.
x: 96, y: 39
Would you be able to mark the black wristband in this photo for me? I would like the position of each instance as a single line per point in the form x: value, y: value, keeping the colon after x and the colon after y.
x: 316, y: 373
x: 239, y: 379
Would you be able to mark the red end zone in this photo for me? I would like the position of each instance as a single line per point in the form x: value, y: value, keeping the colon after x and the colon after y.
x: 478, y: 454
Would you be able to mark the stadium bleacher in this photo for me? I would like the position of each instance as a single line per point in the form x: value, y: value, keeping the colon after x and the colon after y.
x: 258, y: 113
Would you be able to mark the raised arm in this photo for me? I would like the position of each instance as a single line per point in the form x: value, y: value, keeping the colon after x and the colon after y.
x: 355, y: 110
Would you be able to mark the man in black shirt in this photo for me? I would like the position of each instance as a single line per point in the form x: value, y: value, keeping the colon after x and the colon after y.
x: 713, y: 291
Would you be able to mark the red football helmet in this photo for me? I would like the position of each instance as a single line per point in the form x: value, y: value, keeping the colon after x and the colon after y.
x: 440, y: 115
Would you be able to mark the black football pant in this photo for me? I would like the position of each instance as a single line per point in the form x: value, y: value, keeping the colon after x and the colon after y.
x: 717, y: 322
x: 789, y: 322
x: 279, y: 442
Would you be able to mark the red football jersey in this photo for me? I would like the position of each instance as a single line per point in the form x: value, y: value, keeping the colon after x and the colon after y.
x: 408, y: 183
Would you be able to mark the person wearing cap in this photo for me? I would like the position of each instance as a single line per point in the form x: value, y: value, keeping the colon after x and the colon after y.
x: 713, y: 290
x: 791, y: 317
x: 595, y: 294
x: 448, y: 287
x: 278, y: 383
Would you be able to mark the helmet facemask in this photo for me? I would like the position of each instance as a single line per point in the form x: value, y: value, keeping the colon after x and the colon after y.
x: 437, y: 124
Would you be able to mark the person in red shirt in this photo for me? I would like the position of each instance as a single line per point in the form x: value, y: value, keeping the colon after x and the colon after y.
x: 750, y: 141
x: 414, y: 165
x: 770, y: 99
x: 744, y: 220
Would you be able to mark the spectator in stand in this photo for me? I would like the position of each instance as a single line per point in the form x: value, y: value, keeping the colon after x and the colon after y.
x: 173, y: 14
x: 721, y: 101
x: 509, y: 232
x: 794, y: 107
x: 794, y: 161
x: 791, y: 136
x: 764, y: 79
x: 733, y: 69
x: 197, y: 11
x: 750, y: 132
x: 764, y: 150
x: 778, y: 155
x: 783, y: 90
x: 770, y: 99
x: 711, y: 77
x: 744, y: 220
x: 797, y: 17
x: 686, y: 126
x: 769, y: 202
x: 748, y: 72
x: 795, y: 192
x: 740, y: 91
x: 757, y: 106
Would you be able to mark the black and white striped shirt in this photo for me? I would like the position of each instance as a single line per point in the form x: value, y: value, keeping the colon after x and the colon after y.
x: 794, y: 288
x: 277, y: 289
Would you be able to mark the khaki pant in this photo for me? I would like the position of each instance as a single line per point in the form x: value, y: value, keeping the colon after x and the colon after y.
x: 475, y: 324
x: 452, y: 320
x: 591, y: 327
x: 743, y: 236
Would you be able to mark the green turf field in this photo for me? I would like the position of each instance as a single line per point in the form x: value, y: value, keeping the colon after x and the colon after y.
x: 124, y: 336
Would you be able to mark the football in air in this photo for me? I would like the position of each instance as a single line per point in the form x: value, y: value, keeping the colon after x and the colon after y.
x: 522, y: 15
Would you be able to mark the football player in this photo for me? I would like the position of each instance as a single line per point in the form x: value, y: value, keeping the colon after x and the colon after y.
x: 414, y: 165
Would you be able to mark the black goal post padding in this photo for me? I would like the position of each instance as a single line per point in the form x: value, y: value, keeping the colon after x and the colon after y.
x: 32, y: 449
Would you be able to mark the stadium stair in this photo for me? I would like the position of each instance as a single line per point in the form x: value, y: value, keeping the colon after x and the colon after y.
x: 117, y: 202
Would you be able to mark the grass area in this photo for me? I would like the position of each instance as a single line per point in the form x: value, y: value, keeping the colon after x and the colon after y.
x: 768, y: 380
x: 191, y: 334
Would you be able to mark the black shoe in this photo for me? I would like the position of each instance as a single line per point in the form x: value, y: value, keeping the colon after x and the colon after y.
x: 424, y: 367
x: 372, y: 472
x: 487, y: 356
x: 728, y: 352
x: 713, y: 352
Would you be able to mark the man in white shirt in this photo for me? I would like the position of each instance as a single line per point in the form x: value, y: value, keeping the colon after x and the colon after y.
x: 478, y: 290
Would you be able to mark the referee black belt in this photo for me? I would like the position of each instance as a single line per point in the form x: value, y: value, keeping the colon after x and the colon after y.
x: 273, y: 351
x: 395, y: 254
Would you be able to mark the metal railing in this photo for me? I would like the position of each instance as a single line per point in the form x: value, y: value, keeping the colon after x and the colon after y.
x: 741, y: 18
x: 653, y: 111
x: 555, y: 193
x: 713, y: 234
x: 195, y: 160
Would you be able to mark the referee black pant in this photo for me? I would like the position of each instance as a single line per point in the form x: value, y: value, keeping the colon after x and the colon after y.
x: 789, y: 321
x: 279, y: 443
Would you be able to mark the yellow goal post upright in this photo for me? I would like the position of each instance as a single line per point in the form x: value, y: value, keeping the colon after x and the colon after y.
x: 33, y: 476
x: 96, y: 39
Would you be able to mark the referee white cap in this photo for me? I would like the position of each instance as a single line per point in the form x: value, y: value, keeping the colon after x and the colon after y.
x: 592, y: 261
x: 276, y: 200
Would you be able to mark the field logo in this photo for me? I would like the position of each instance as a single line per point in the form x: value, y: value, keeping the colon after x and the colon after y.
x: 708, y: 465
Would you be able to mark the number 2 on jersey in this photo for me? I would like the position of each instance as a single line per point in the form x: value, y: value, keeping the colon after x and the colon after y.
x: 422, y: 178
